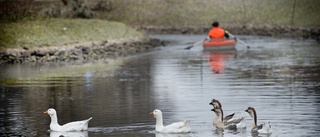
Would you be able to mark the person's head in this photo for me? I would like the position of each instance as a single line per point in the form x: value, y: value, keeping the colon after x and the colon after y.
x: 215, y: 24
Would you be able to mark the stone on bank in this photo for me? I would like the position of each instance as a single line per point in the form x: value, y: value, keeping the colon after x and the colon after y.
x: 79, y: 52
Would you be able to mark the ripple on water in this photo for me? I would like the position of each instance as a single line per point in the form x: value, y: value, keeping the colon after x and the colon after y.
x: 278, y: 77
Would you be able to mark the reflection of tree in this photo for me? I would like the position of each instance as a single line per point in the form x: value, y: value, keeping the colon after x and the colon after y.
x: 17, y: 115
x: 120, y: 97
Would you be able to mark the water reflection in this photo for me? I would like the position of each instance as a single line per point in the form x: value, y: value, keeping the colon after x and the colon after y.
x: 172, y: 135
x: 68, y: 134
x: 279, y: 77
x: 217, y: 59
x: 219, y: 132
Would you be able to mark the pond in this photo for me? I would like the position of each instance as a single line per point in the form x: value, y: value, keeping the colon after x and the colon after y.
x: 279, y: 77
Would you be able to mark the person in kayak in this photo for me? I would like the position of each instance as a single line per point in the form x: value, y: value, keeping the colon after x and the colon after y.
x: 216, y: 32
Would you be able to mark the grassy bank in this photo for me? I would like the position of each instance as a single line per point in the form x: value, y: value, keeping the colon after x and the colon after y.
x: 56, y: 32
x: 295, y: 13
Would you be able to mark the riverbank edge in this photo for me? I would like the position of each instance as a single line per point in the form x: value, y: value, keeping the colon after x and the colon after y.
x: 97, y: 50
x: 263, y: 30
x: 82, y: 52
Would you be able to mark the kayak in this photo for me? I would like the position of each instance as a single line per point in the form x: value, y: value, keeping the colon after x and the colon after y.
x: 219, y: 44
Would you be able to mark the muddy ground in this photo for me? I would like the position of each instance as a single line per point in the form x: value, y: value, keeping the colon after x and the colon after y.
x: 79, y: 52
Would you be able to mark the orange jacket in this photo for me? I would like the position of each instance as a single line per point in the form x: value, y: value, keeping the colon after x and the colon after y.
x: 216, y: 32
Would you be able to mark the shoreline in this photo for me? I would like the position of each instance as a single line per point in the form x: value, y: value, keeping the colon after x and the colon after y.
x: 82, y: 52
x: 264, y: 30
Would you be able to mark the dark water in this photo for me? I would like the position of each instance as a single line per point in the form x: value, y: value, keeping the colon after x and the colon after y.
x: 280, y: 78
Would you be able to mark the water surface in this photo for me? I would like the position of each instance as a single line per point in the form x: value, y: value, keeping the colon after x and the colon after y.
x: 279, y: 77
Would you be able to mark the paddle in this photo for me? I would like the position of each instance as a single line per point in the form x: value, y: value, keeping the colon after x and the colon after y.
x: 238, y: 40
x: 195, y: 44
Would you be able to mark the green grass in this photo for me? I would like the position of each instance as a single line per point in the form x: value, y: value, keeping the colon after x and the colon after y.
x: 55, y: 32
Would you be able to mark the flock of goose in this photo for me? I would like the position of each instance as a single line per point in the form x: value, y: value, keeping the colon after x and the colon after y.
x: 233, y: 121
x: 237, y: 121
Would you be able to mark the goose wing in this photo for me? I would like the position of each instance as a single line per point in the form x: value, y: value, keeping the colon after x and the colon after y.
x: 260, y: 127
x: 233, y: 121
x: 265, y: 128
x: 236, y: 124
x: 234, y: 117
x: 228, y: 117
x: 256, y: 130
x: 76, y: 125
x: 177, y: 127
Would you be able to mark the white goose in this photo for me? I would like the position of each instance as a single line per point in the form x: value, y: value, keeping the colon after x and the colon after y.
x: 72, y: 126
x: 234, y: 117
x: 218, y: 121
x: 177, y: 127
x: 264, y: 128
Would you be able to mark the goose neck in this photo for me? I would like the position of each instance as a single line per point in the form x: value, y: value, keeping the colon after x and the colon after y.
x: 159, y: 123
x: 54, y: 123
x: 254, y: 118
x: 221, y: 115
x: 54, y: 119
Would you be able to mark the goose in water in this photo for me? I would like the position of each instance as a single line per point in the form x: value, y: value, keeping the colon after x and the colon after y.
x: 218, y: 121
x: 230, y: 118
x: 264, y: 128
x: 177, y: 127
x: 69, y: 127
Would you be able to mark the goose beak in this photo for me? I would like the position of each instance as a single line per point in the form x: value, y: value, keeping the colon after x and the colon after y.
x: 247, y: 110
x: 210, y: 103
x: 151, y: 113
x: 46, y: 112
x: 212, y: 110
